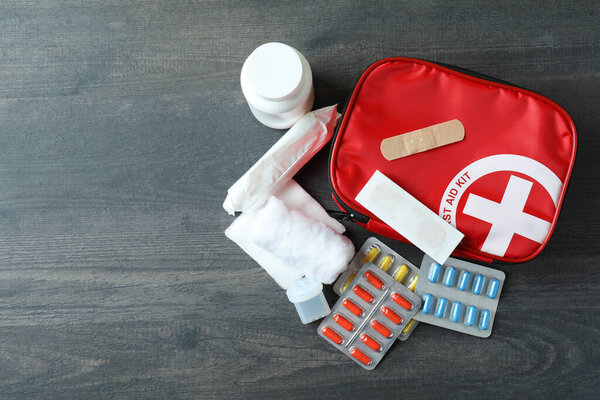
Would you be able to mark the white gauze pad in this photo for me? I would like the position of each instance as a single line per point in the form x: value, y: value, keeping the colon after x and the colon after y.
x: 302, y: 243
x: 409, y: 217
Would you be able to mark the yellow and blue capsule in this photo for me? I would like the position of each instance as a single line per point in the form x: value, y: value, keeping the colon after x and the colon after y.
x: 386, y: 262
x: 412, y: 285
x: 400, y: 273
x: 370, y: 255
x: 348, y: 282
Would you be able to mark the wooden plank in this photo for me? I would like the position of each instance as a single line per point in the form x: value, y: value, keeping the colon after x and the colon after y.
x: 123, y: 125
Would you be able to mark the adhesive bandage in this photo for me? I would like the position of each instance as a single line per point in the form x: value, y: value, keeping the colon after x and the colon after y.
x: 409, y: 217
x: 423, y: 139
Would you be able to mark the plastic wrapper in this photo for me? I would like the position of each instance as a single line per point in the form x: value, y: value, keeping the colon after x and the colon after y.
x: 282, y: 161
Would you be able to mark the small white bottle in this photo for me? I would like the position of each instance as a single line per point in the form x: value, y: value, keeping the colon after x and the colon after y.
x: 277, y: 83
x: 307, y: 295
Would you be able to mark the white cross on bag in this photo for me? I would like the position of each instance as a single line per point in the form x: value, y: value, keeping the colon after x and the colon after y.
x: 507, y: 217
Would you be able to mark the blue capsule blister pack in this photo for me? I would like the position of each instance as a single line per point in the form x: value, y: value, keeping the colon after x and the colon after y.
x: 459, y: 295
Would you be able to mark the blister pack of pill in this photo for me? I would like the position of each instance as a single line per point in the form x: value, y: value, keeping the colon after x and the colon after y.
x: 375, y: 251
x: 459, y: 295
x: 369, y: 316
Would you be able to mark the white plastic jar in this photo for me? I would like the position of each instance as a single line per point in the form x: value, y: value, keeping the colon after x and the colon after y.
x: 277, y: 83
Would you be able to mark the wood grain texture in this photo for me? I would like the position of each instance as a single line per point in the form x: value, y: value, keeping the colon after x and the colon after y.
x: 123, y: 125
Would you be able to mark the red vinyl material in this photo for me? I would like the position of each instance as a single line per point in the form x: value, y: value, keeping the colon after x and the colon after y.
x: 502, y: 186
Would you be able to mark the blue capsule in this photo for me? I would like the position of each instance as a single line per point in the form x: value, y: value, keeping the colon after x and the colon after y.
x: 463, y: 280
x: 456, y: 311
x: 449, y: 276
x: 434, y: 272
x: 470, y: 315
x: 440, y: 310
x: 427, y: 303
x: 492, y: 290
x: 484, y: 321
x: 478, y: 284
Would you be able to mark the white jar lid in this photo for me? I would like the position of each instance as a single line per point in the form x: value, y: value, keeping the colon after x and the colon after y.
x: 304, y: 289
x: 273, y: 70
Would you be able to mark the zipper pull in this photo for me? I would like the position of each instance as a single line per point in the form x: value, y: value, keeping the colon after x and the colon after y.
x: 341, y: 216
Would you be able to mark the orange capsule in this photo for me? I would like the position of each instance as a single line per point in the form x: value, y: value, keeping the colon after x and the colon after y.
x: 333, y: 335
x: 363, y: 294
x: 391, y: 315
x: 360, y: 356
x: 353, y: 308
x: 374, y: 280
x: 401, y: 301
x: 343, y: 322
x: 381, y: 329
x: 369, y: 341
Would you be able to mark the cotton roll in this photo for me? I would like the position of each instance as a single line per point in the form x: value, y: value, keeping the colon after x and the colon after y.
x: 301, y: 242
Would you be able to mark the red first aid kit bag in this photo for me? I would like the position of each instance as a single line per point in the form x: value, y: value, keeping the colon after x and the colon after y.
x: 502, y: 186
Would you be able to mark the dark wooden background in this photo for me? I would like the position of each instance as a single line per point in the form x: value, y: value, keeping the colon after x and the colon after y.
x: 122, y: 126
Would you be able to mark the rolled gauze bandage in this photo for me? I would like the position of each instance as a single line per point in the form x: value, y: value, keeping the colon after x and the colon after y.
x: 300, y: 242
